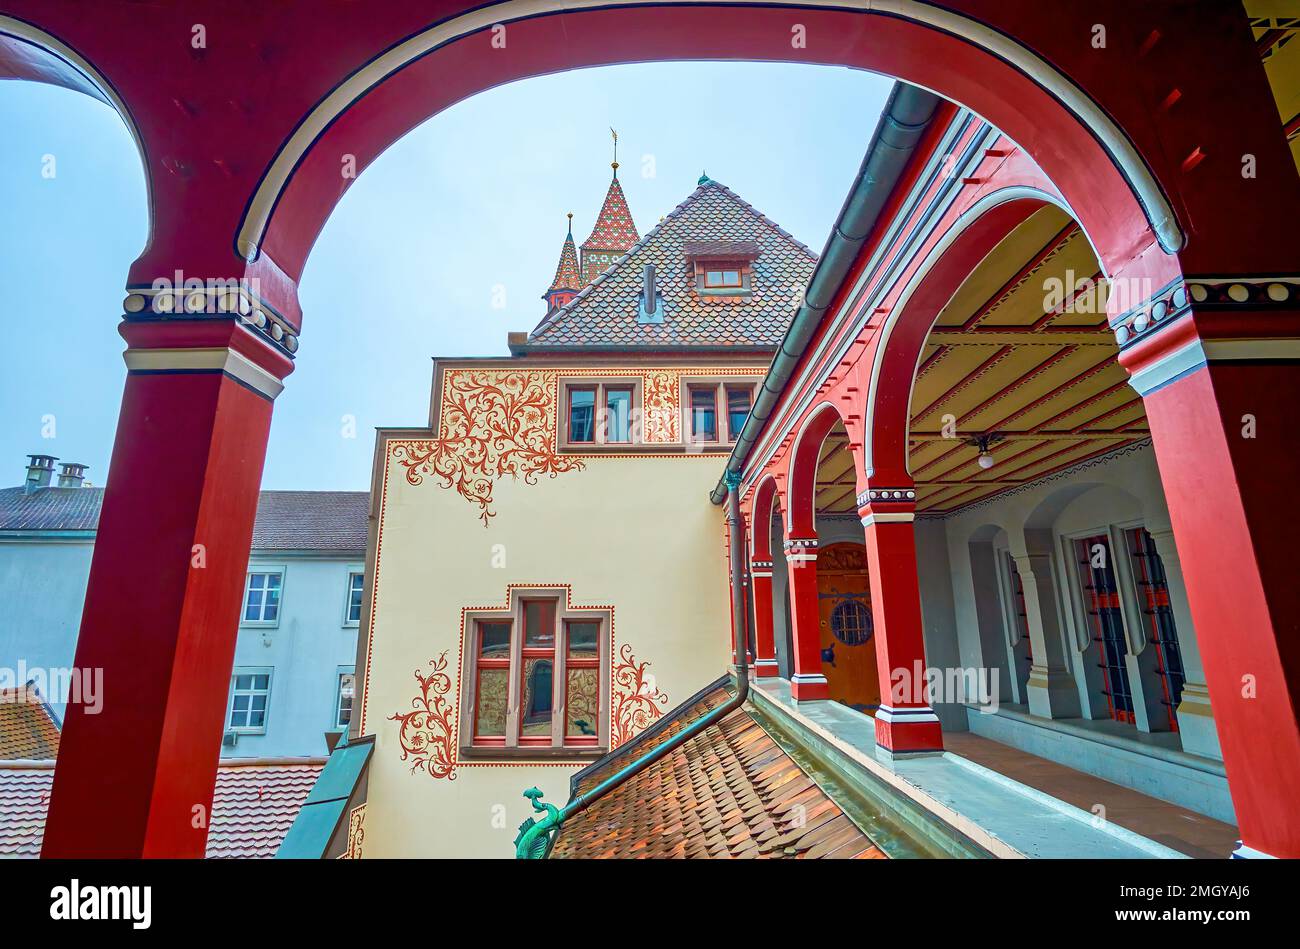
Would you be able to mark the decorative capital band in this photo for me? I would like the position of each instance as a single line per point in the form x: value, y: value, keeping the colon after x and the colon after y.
x: 216, y: 299
x: 1208, y: 293
x: 801, y: 544
x: 888, y: 517
x: 760, y: 565
x: 886, y: 494
x: 217, y: 359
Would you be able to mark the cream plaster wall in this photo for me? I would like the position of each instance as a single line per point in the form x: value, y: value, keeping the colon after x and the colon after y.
x: 635, y: 534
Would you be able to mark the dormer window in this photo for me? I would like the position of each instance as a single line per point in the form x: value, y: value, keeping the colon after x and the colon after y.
x: 722, y: 270
x: 720, y: 278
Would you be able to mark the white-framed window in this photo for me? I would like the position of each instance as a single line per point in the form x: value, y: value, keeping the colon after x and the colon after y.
x: 347, y: 690
x: 352, y: 608
x: 250, y: 700
x: 263, y: 593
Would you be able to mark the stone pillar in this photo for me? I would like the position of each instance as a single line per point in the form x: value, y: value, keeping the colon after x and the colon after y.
x: 1052, y: 690
x: 1195, y: 718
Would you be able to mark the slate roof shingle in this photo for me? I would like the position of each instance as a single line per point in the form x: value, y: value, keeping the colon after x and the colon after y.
x: 27, y: 729
x: 252, y: 809
x: 286, y: 520
x: 730, y: 791
x: 605, y: 312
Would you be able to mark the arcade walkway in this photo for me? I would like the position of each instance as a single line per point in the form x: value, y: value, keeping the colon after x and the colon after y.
x: 1176, y: 827
x: 1010, y: 802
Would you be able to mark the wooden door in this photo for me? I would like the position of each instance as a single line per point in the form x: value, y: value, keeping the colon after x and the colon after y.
x: 848, y: 649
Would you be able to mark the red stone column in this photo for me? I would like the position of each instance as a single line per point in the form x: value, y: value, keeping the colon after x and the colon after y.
x: 807, y: 684
x: 760, y: 572
x: 1221, y: 386
x: 905, y: 722
x: 135, y: 778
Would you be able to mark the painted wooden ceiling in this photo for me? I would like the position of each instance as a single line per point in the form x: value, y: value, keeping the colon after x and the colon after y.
x: 1010, y: 357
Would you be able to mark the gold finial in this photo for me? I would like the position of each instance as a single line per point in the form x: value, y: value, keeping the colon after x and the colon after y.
x: 615, y: 162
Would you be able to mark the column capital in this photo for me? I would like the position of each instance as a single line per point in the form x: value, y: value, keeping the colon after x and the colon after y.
x: 884, y: 505
x: 1195, y: 320
x: 221, y: 344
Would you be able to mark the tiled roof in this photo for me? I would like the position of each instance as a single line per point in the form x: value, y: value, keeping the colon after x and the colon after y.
x: 605, y: 312
x: 615, y: 229
x: 286, y: 520
x: 50, y: 509
x: 252, y: 809
x: 728, y: 792
x: 311, y: 520
x: 27, y: 730
x: 568, y: 275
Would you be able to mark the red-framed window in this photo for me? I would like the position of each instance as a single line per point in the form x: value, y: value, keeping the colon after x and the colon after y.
x: 1153, y: 595
x: 492, y: 680
x: 582, y: 414
x: 537, y: 673
x: 582, y: 682
x: 739, y: 401
x: 704, y: 413
x: 1102, y: 607
x: 538, y: 676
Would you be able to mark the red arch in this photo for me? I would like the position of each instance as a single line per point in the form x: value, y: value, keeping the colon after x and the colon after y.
x: 1068, y: 151
x: 766, y: 495
x: 897, y: 349
x: 802, y: 490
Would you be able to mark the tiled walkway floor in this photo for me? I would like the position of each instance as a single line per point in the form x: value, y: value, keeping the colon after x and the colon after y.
x: 1174, y: 826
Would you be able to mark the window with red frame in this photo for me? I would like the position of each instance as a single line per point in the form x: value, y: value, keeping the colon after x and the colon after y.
x: 1101, y: 605
x: 552, y: 665
x: 1153, y: 595
x: 723, y: 277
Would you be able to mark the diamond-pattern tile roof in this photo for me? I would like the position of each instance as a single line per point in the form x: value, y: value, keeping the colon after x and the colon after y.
x: 286, y: 520
x: 730, y: 791
x: 605, y: 312
x: 252, y: 809
x: 568, y: 275
x: 614, y: 228
x: 27, y: 730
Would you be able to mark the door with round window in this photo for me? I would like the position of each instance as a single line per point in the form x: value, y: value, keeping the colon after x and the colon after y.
x: 847, y: 631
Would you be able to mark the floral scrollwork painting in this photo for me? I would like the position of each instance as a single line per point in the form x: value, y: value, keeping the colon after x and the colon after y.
x: 637, y: 700
x: 493, y: 424
x: 427, y: 732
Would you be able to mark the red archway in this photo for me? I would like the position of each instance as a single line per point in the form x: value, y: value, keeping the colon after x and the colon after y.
x: 242, y: 181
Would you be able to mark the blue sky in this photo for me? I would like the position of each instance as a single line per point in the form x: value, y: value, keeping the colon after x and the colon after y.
x: 440, y: 248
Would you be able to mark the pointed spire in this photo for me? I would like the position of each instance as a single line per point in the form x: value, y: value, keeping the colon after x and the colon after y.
x: 614, y: 233
x: 568, y: 274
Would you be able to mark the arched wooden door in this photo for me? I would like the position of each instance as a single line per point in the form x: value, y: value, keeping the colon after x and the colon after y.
x: 848, y: 650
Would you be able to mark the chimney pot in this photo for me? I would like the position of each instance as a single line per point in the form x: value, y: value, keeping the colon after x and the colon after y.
x: 40, y: 471
x: 72, y: 475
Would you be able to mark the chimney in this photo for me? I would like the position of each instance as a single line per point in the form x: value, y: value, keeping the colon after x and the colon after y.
x: 40, y: 470
x: 649, y: 309
x: 71, y: 474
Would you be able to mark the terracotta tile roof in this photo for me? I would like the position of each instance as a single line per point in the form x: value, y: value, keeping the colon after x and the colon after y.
x: 286, y: 520
x: 251, y: 811
x: 728, y: 792
x: 27, y: 727
x: 614, y: 228
x: 605, y: 312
